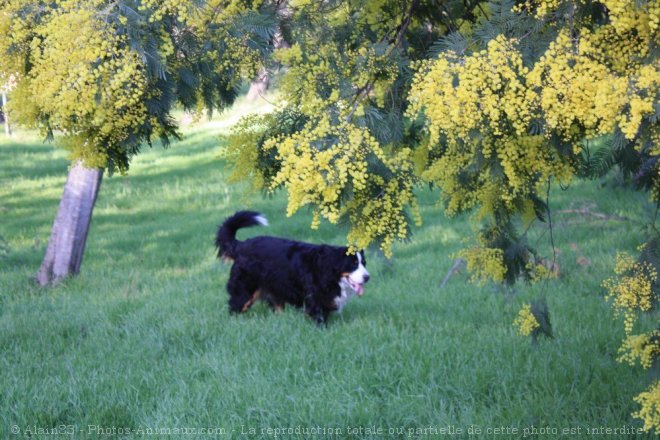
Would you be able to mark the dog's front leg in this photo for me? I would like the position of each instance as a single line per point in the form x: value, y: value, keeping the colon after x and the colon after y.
x: 315, y: 311
x: 313, y: 306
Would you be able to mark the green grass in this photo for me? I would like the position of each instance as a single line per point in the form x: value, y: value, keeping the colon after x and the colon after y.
x: 142, y: 338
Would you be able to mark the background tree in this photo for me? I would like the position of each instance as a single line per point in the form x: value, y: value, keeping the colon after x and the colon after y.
x: 104, y: 77
x: 261, y: 82
x: 7, y: 82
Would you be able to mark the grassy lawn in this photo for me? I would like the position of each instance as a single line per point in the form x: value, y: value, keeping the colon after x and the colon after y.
x: 142, y: 338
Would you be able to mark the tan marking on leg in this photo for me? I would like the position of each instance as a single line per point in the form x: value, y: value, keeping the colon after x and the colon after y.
x: 255, y: 296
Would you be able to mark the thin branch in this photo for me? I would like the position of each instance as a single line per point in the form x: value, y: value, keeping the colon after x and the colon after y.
x: 482, y: 10
x: 406, y: 22
x: 552, y: 237
x: 450, y: 20
x: 459, y: 263
x: 362, y: 93
x: 394, y: 42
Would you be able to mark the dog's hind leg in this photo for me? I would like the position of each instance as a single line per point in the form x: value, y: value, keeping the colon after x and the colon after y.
x: 275, y: 305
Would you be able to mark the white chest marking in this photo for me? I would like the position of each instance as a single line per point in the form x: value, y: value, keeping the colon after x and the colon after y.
x: 345, y: 296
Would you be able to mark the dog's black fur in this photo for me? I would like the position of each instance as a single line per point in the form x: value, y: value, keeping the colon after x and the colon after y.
x: 282, y: 271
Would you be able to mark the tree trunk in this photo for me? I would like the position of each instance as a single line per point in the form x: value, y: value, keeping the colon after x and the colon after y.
x: 4, y: 114
x: 259, y: 85
x: 69, y: 234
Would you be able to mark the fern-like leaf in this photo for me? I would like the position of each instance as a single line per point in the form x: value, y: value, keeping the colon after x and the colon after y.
x: 600, y: 162
x: 501, y: 21
x: 454, y: 42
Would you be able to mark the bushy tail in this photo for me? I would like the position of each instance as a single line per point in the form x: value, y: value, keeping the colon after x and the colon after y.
x: 225, y: 238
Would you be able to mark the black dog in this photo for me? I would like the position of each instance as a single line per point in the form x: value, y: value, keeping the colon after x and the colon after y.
x: 320, y: 278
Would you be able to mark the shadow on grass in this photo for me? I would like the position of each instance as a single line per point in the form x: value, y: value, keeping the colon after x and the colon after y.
x: 35, y: 161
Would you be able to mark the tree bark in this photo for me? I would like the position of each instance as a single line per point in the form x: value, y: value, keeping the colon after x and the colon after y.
x: 69, y: 233
x: 259, y: 85
x: 4, y: 114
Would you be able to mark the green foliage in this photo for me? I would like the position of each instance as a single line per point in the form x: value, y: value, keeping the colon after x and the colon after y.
x: 637, y: 166
x: 597, y: 163
x: 245, y: 146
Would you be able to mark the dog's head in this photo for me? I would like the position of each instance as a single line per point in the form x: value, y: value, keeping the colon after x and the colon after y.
x: 354, y: 274
x: 335, y: 266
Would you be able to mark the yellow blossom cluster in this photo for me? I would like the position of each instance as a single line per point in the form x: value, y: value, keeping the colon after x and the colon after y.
x: 106, y: 78
x: 212, y: 16
x: 315, y: 172
x: 377, y: 16
x: 484, y: 264
x: 243, y: 150
x: 631, y: 289
x: 378, y: 214
x: 641, y: 16
x: 313, y: 80
x: 238, y: 56
x: 621, y: 53
x: 498, y: 129
x: 16, y: 31
x: 582, y: 96
x: 182, y: 9
x: 526, y: 322
x: 245, y: 146
x: 644, y: 347
x: 631, y: 292
x: 539, y: 8
x: 478, y: 110
x: 540, y: 271
x: 84, y: 75
x: 650, y: 410
x: 321, y: 163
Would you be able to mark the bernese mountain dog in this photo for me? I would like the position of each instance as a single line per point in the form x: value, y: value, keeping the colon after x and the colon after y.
x: 320, y: 278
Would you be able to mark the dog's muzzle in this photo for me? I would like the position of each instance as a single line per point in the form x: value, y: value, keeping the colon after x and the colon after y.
x: 356, y: 286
